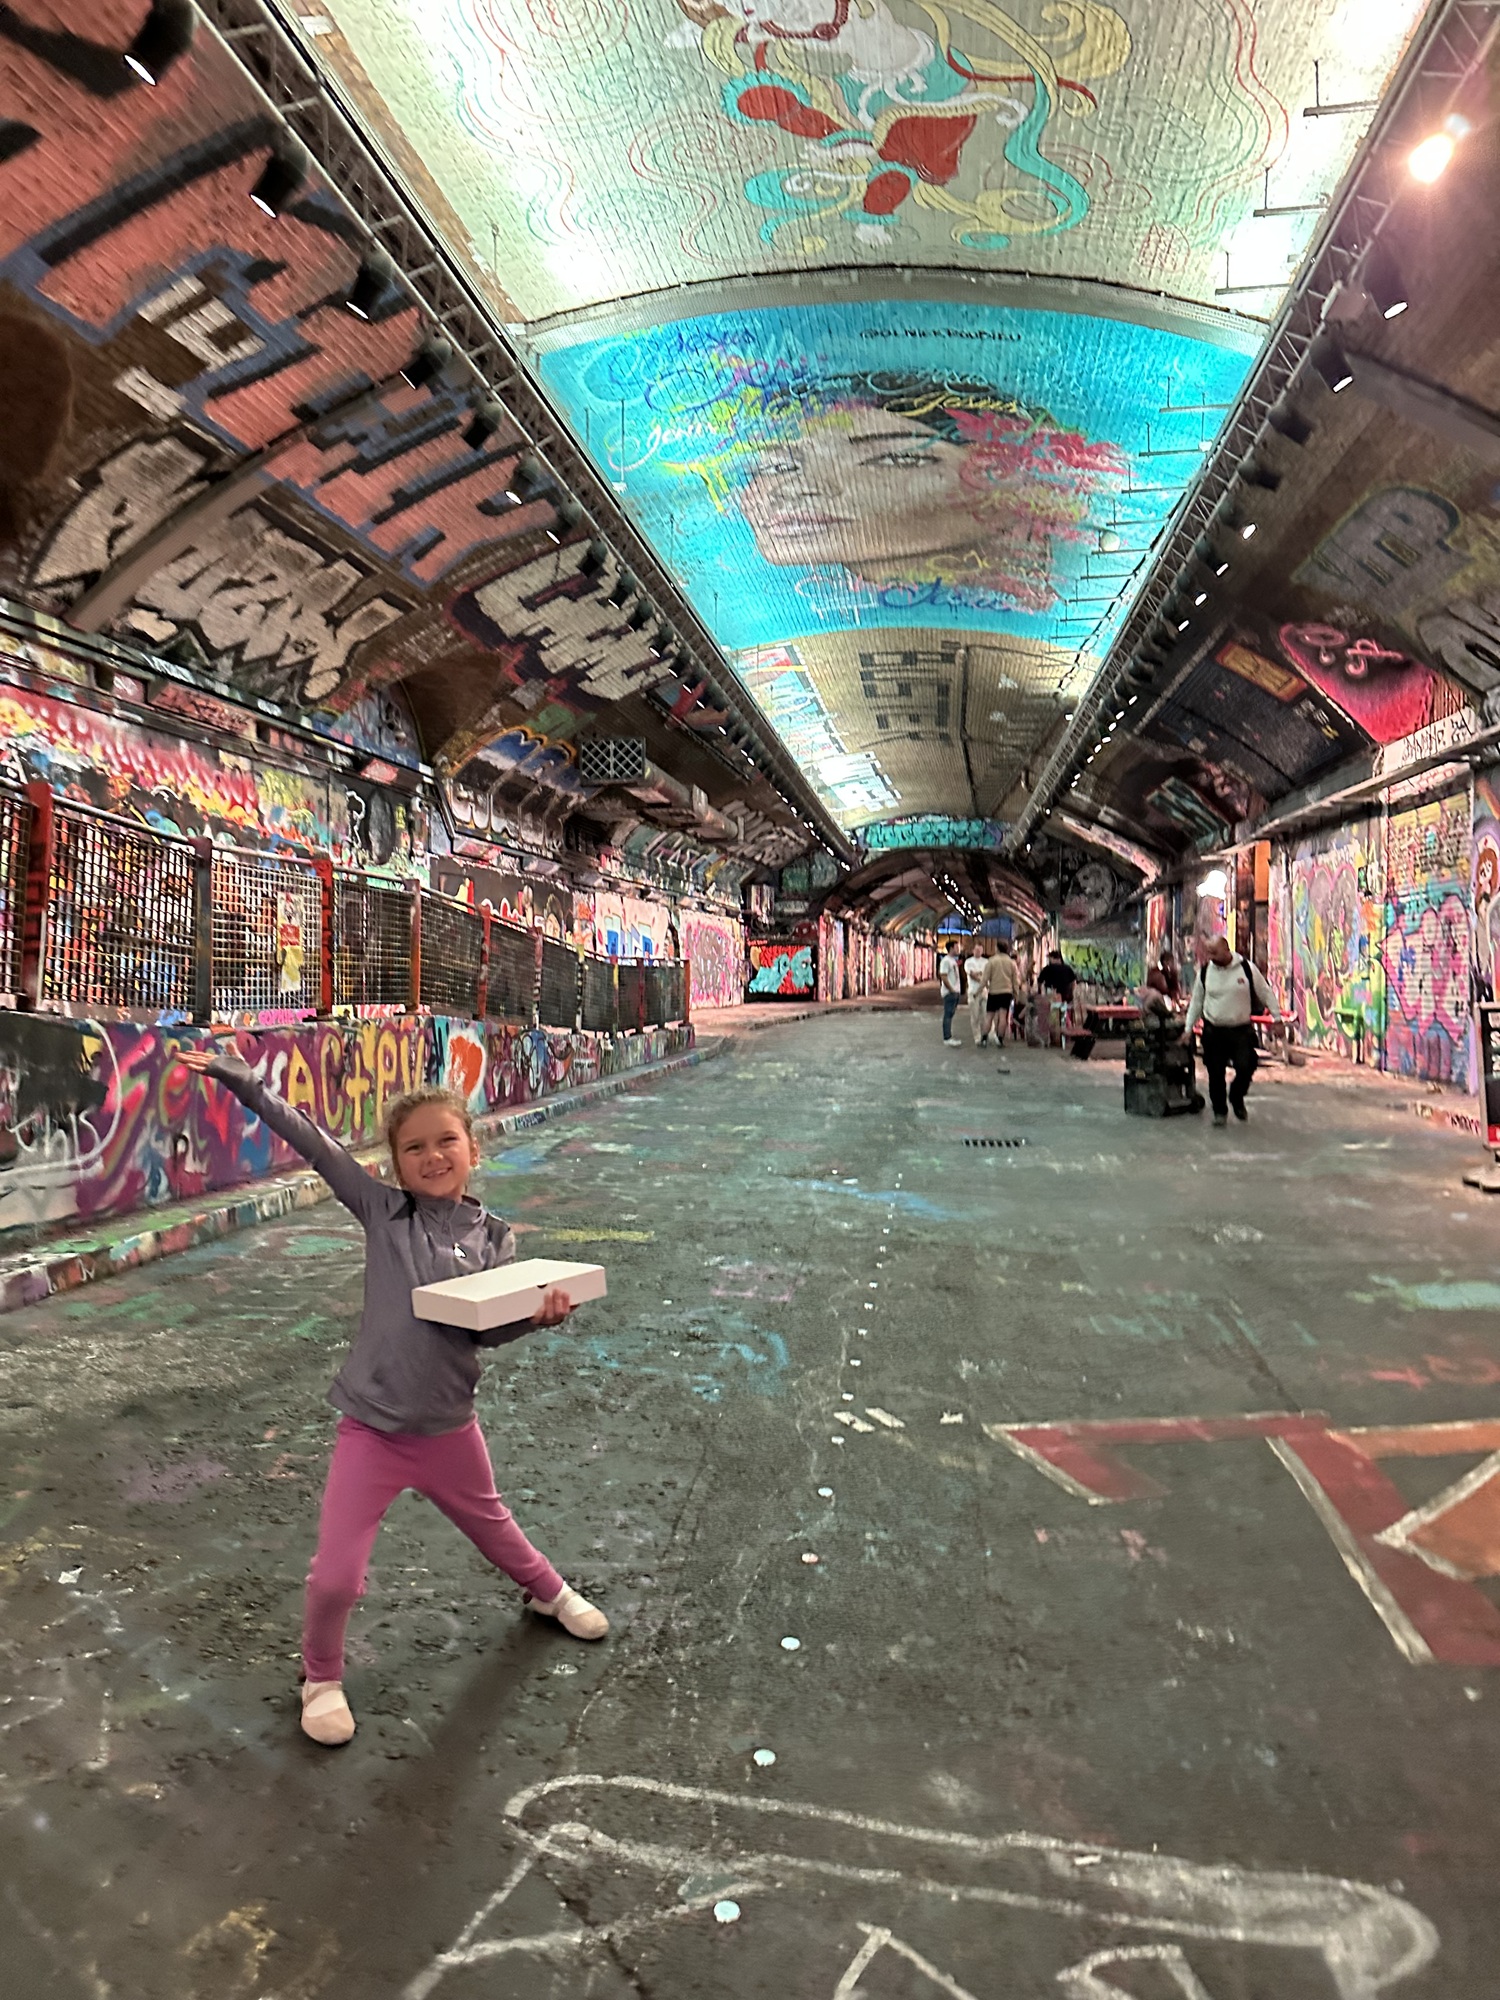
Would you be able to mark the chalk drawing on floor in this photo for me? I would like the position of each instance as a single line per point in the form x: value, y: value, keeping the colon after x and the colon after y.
x: 1416, y: 1566
x: 852, y: 1877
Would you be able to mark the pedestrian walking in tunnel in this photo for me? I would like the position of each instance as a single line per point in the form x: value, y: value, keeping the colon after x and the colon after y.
x: 406, y: 1388
x: 1225, y: 996
x: 950, y: 986
x: 975, y: 966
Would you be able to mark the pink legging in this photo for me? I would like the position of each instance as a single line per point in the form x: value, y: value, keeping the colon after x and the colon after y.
x: 368, y: 1469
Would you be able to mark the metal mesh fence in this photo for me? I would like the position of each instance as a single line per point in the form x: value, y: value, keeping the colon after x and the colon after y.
x: 674, y: 991
x: 632, y: 994
x: 371, y: 944
x: 15, y: 833
x: 557, y: 1001
x: 657, y: 994
x: 512, y: 982
x: 120, y: 915
x: 599, y: 1011
x: 452, y: 944
x: 267, y: 933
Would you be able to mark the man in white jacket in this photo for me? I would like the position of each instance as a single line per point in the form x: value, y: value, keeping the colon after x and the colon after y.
x: 1227, y: 991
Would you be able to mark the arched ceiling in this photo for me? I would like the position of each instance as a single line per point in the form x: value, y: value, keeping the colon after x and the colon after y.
x: 898, y: 329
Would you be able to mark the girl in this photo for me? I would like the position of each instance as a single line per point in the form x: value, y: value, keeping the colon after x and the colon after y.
x: 406, y: 1389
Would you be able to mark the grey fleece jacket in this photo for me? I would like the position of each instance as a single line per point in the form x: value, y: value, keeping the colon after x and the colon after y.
x: 402, y: 1373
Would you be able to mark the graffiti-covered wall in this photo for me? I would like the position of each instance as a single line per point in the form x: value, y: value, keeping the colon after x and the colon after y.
x: 99, y: 1120
x: 714, y: 945
x: 1426, y: 944
x: 1372, y: 938
x: 1337, y: 983
x: 1113, y: 964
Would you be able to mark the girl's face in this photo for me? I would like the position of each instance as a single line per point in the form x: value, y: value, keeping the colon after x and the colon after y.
x: 864, y: 486
x: 434, y: 1154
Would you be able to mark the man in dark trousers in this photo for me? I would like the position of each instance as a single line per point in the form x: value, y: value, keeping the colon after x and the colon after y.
x: 1227, y: 991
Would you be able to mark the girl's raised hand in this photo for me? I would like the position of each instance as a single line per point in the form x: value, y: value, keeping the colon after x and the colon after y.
x: 554, y: 1309
x: 198, y: 1060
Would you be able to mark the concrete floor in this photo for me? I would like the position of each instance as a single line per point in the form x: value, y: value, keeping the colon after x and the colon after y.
x: 1162, y: 1746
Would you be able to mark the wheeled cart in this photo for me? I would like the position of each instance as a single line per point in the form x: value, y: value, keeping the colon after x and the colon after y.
x: 1160, y: 1074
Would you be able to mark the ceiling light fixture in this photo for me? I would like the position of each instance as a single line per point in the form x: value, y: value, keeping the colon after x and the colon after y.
x: 1214, y: 883
x: 1382, y: 284
x: 563, y: 522
x: 623, y: 591
x: 1289, y: 423
x: 427, y: 361
x: 282, y: 176
x: 527, y: 480
x: 164, y: 35
x: 1201, y: 598
x: 593, y: 559
x: 1427, y: 162
x: 373, y: 279
x: 1331, y: 363
x: 487, y: 418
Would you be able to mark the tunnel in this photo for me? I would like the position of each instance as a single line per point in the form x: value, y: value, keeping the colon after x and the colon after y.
x: 749, y: 1038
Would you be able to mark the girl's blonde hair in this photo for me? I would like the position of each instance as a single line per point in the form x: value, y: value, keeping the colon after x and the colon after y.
x: 401, y: 1108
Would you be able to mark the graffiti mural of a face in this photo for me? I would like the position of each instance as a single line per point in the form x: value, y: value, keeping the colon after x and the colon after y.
x: 905, y: 481
x: 811, y: 470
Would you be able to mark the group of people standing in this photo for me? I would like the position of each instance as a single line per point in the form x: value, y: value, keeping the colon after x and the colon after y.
x: 991, y: 981
x: 1227, y: 991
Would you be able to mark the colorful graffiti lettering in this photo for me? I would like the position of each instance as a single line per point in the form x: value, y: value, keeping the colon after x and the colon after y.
x: 101, y: 1120
x: 1115, y: 963
x: 935, y: 830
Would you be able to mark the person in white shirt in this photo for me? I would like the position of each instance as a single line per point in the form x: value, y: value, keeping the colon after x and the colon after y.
x: 950, y: 986
x: 1227, y: 991
x: 974, y: 970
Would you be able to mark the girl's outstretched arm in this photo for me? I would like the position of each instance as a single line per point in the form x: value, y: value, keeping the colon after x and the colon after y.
x: 363, y: 1195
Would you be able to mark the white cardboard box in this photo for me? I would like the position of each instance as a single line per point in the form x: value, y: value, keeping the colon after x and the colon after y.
x: 486, y: 1299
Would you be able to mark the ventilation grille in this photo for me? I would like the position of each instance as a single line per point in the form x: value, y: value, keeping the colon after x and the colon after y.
x: 612, y: 760
x: 997, y: 1142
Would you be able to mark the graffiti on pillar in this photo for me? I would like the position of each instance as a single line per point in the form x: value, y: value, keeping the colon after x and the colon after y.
x: 715, y: 945
x: 1337, y: 924
x: 1419, y: 1566
x: 1426, y: 946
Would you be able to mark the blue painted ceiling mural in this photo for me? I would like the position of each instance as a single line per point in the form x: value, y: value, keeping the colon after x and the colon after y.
x: 899, y: 328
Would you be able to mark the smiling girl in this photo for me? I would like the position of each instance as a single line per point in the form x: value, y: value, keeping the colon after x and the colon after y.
x: 406, y: 1388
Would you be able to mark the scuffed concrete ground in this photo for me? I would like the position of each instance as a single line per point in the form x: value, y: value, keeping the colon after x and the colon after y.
x: 1024, y: 1746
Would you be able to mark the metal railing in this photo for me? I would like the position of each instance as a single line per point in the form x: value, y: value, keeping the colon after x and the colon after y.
x: 118, y: 925
x: 15, y: 838
x: 451, y: 955
x: 266, y: 917
x: 102, y: 912
x: 371, y: 943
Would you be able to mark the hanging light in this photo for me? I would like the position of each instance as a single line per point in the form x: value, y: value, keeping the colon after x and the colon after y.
x: 623, y: 591
x: 593, y: 559
x: 282, y: 176
x: 564, y: 521
x: 1430, y: 160
x: 1289, y: 423
x: 164, y: 35
x: 373, y: 279
x: 428, y: 360
x: 527, y: 480
x: 1331, y: 362
x: 488, y: 416
x: 1382, y: 284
